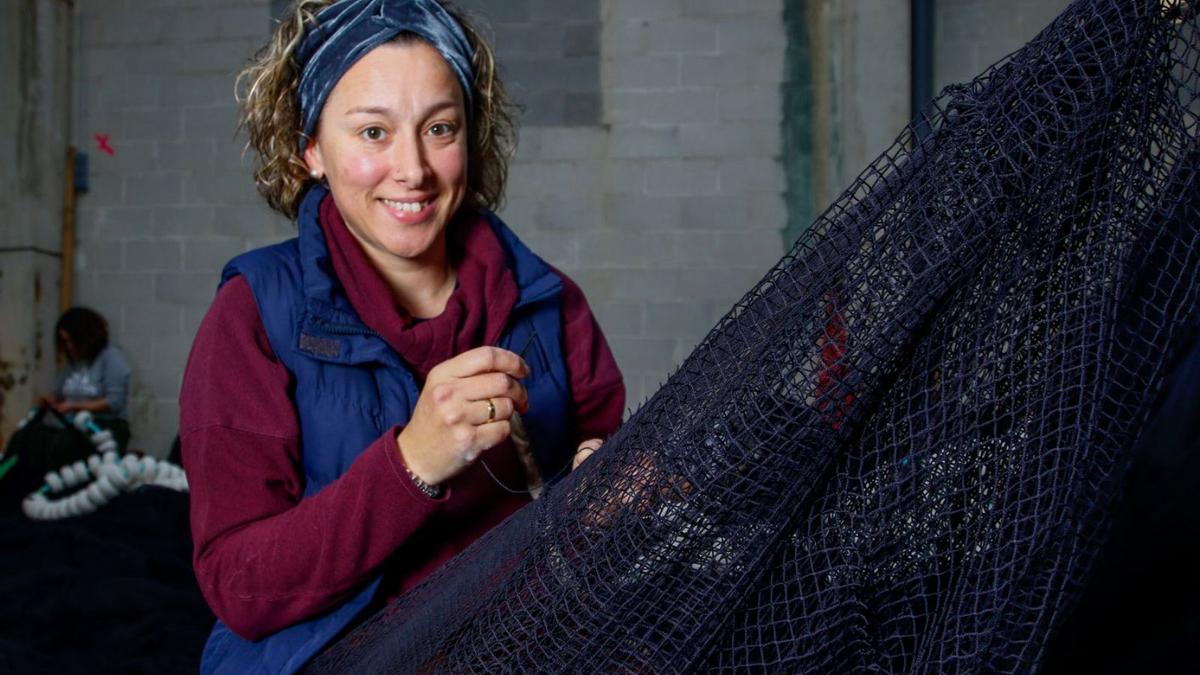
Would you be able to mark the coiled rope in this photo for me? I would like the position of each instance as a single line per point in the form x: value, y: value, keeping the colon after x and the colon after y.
x: 105, y: 475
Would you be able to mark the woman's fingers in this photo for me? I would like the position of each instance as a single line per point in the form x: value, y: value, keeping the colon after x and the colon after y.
x: 487, y: 436
x: 482, y: 360
x: 491, y: 410
x: 584, y: 451
x: 580, y: 457
x: 463, y: 410
x: 493, y: 385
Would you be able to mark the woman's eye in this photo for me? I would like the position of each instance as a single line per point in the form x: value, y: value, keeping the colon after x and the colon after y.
x: 441, y: 129
x: 373, y: 133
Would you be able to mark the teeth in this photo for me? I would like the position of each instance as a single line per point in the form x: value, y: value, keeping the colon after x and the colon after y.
x: 410, y: 207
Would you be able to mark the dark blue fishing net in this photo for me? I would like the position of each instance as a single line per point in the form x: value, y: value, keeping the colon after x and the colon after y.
x: 902, y: 449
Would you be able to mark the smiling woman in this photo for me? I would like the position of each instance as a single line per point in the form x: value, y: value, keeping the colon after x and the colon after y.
x: 392, y: 144
x: 365, y: 400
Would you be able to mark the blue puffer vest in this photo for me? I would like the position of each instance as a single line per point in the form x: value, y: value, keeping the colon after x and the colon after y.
x: 351, y: 387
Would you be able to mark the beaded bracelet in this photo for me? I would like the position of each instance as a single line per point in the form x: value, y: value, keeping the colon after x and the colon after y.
x: 431, y: 491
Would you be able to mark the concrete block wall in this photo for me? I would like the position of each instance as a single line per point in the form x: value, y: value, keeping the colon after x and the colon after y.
x: 549, y: 54
x: 849, y: 79
x: 848, y: 93
x: 970, y: 35
x: 672, y: 208
x: 175, y: 200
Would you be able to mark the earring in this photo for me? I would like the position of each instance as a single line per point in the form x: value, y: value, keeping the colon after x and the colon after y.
x: 315, y: 174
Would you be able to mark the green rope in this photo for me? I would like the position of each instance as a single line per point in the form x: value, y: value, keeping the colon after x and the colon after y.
x: 6, y: 465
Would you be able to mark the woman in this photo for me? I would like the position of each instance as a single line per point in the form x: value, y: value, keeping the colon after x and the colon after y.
x: 95, y: 377
x: 348, y: 409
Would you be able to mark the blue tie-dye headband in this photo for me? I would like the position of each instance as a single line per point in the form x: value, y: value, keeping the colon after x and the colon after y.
x: 347, y: 30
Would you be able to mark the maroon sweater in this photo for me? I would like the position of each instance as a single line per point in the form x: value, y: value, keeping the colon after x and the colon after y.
x: 264, y: 558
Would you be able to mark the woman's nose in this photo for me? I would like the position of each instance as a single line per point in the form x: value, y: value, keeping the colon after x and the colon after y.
x: 408, y: 163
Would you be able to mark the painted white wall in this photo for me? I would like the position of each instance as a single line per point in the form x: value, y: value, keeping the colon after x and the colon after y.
x: 34, y: 125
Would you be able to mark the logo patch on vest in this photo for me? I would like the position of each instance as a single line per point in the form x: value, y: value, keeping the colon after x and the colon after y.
x: 320, y: 346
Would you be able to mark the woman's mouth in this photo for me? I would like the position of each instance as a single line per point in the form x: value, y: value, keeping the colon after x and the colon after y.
x: 406, y: 207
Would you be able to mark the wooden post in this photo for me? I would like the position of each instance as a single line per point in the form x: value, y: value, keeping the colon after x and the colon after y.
x: 66, y: 291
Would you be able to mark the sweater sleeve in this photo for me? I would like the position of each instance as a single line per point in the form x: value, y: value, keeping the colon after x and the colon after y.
x: 265, y: 558
x: 597, y: 388
x: 115, y: 376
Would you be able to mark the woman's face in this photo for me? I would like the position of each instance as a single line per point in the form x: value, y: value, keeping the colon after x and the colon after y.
x: 68, y: 346
x: 392, y: 142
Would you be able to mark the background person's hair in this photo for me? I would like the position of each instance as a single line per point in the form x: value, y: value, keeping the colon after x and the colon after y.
x: 271, y: 116
x: 87, y: 330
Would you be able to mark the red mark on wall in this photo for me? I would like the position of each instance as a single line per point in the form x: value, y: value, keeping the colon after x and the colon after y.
x: 103, y: 146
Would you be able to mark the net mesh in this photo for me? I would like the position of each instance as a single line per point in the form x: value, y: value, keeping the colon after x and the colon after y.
x: 900, y: 450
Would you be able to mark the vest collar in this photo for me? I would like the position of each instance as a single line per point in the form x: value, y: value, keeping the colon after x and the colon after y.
x: 332, y: 331
x: 536, y: 281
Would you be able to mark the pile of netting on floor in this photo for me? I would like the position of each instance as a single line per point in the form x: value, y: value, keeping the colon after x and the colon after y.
x: 900, y: 451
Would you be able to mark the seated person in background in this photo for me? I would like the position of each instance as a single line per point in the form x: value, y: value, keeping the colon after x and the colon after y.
x: 95, y: 376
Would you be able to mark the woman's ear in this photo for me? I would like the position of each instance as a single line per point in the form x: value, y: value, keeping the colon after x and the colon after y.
x: 312, y: 157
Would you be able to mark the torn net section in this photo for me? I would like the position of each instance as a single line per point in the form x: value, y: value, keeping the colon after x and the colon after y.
x: 900, y: 450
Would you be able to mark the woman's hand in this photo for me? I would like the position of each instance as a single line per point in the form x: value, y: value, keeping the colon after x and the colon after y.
x: 45, y: 400
x: 584, y: 451
x: 463, y: 410
x: 92, y: 405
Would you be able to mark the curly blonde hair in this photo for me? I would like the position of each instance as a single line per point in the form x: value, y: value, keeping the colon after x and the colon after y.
x: 270, y: 114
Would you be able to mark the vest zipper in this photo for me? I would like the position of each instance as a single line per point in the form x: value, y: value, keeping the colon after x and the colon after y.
x: 343, y: 329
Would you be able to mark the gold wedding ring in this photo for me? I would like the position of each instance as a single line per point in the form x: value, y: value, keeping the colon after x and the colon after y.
x: 491, y: 411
